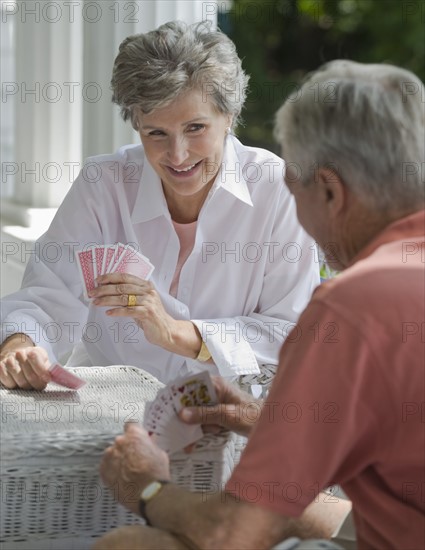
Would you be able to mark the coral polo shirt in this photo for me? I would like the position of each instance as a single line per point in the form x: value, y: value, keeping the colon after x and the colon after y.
x: 347, y: 405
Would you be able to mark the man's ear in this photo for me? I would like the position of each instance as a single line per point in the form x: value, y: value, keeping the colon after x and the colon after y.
x: 332, y: 190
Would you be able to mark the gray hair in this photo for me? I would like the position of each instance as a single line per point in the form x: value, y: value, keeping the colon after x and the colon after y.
x: 367, y: 122
x: 153, y: 69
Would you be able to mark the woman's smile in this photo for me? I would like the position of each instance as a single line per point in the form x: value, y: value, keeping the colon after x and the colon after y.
x: 184, y: 143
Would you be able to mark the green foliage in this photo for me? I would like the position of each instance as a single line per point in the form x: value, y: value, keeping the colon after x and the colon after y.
x: 280, y: 41
x: 326, y: 272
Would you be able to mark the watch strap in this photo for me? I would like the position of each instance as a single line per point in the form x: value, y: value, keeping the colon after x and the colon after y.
x: 143, y: 502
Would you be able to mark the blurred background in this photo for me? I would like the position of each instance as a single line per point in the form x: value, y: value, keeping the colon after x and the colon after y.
x: 280, y: 41
x: 56, y: 63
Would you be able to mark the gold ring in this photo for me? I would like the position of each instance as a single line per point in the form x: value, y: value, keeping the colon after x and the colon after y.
x: 131, y: 300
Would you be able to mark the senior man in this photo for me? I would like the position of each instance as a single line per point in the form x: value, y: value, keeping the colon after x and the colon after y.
x: 346, y: 405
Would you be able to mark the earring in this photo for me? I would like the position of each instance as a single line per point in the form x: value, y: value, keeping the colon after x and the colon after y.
x: 228, y: 130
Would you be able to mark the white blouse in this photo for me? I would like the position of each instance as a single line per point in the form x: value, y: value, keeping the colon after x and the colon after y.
x: 249, y: 276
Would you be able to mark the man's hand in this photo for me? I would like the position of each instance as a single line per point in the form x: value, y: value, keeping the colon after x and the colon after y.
x: 236, y: 410
x: 131, y: 463
x: 23, y: 365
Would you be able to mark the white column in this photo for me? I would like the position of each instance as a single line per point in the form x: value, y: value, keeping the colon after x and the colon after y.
x: 48, y: 103
x: 64, y: 58
x: 104, y: 130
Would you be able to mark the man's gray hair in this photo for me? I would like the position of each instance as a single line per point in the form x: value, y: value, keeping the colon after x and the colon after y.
x: 367, y: 122
x: 153, y: 69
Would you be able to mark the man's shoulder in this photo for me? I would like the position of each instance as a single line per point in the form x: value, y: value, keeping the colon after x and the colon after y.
x: 380, y: 288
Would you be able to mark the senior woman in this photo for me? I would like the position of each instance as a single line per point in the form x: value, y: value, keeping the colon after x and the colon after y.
x: 233, y: 268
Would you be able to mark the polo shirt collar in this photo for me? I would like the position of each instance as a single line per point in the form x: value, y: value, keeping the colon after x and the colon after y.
x: 407, y: 227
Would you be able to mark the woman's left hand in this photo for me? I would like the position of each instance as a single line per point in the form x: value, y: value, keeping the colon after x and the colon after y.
x: 160, y: 328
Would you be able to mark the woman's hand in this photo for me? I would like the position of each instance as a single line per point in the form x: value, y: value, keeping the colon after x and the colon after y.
x: 24, y: 367
x: 149, y: 314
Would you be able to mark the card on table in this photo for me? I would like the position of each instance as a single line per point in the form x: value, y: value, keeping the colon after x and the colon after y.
x: 114, y: 258
x: 161, y: 414
x: 63, y: 377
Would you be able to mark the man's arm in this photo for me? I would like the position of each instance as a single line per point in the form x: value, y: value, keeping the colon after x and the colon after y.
x: 204, y: 520
x: 215, y: 521
x: 198, y: 520
x: 221, y: 521
x: 139, y: 537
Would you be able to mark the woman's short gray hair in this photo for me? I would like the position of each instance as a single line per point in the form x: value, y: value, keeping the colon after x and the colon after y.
x: 153, y: 69
x: 365, y: 121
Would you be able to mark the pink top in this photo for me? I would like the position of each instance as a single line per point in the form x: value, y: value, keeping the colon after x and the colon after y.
x: 186, y: 233
x: 346, y: 405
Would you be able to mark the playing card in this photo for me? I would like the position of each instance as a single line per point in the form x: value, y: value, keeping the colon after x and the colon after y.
x: 134, y: 263
x: 193, y: 391
x: 86, y: 267
x: 177, y: 435
x: 98, y: 253
x: 125, y: 255
x: 142, y: 268
x: 159, y: 415
x: 65, y: 378
x: 170, y: 433
x: 120, y: 258
x: 161, y: 418
x: 108, y: 257
x: 160, y: 409
x: 119, y: 251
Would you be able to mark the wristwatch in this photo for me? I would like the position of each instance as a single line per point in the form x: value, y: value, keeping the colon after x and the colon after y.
x: 148, y: 493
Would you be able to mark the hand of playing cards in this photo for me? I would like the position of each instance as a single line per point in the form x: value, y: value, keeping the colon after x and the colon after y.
x: 113, y: 258
x: 161, y: 414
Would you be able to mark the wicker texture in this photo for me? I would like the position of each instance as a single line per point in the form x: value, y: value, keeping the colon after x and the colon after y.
x: 51, y: 446
x: 264, y: 379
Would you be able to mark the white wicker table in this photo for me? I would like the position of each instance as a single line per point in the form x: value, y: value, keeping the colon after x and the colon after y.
x: 51, y: 446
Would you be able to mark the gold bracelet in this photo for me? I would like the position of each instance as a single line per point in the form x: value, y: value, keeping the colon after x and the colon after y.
x: 204, y: 353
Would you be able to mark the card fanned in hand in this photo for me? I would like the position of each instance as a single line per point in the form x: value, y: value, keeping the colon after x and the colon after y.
x: 114, y: 258
x: 161, y: 415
